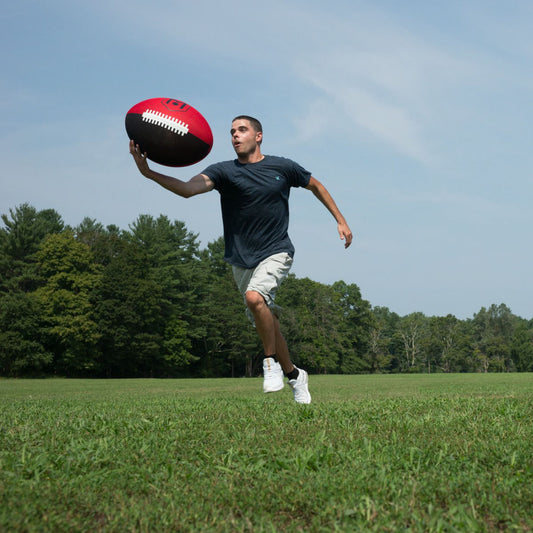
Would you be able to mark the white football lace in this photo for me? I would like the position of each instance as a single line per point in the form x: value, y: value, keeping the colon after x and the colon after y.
x: 159, y: 119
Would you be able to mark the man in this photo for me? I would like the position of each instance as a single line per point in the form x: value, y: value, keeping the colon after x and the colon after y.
x: 254, y: 191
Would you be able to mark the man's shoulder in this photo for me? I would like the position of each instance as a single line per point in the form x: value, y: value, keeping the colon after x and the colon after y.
x: 230, y: 163
x: 298, y: 175
x: 278, y: 159
x: 220, y: 171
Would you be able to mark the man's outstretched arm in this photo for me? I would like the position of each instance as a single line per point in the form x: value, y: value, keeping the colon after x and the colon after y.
x: 323, y: 195
x: 196, y: 185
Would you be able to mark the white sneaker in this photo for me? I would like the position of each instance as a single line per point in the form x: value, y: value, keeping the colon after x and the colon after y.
x: 272, y: 375
x: 300, y: 388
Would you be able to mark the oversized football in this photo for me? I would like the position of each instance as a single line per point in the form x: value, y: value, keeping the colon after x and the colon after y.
x: 171, y: 132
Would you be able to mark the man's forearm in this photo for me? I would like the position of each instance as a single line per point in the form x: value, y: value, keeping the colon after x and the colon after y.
x: 323, y: 195
x: 174, y: 185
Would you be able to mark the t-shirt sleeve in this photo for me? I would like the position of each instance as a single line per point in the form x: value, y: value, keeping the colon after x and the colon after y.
x: 298, y: 175
x: 215, y: 174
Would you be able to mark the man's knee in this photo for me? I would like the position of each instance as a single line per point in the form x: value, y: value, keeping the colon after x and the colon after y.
x: 254, y: 300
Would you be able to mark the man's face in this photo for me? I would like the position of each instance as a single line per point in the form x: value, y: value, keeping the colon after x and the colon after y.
x: 244, y: 138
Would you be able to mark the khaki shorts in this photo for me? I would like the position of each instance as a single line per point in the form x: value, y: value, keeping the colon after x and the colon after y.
x: 265, y: 279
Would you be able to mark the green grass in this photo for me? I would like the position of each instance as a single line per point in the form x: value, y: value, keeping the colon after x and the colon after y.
x: 372, y: 453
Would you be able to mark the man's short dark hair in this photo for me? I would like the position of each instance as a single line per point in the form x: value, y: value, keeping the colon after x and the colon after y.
x: 256, y: 125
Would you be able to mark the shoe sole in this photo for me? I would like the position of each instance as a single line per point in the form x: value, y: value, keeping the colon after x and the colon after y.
x: 306, y: 400
x: 270, y: 389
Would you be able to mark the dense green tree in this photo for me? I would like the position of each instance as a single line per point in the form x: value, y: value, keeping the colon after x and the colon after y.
x: 357, y: 321
x: 447, y: 344
x: 492, y: 335
x: 21, y: 315
x: 177, y: 347
x: 173, y: 257
x: 21, y: 348
x: 172, y: 252
x: 522, y: 346
x: 24, y: 230
x: 70, y: 276
x: 88, y: 231
x: 127, y: 309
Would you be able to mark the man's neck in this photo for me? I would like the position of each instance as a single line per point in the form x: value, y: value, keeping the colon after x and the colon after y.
x: 254, y: 157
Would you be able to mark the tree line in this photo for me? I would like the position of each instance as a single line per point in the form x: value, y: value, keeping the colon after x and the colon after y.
x: 149, y: 301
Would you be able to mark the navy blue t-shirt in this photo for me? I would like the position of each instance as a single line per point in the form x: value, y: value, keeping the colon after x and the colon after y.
x: 255, y: 206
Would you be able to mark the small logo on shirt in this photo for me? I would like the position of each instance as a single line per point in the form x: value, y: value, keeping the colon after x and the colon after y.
x: 277, y: 178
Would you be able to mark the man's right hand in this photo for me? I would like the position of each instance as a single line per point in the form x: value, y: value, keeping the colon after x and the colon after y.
x: 139, y: 158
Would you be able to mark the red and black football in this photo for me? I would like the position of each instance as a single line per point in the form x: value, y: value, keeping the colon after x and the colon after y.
x: 171, y: 132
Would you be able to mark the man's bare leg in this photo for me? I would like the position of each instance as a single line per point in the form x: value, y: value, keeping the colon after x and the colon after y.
x: 267, y: 326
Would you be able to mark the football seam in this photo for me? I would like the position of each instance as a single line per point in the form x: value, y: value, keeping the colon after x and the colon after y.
x: 160, y: 119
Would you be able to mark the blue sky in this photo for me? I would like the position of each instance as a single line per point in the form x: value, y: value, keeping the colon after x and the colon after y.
x: 417, y: 116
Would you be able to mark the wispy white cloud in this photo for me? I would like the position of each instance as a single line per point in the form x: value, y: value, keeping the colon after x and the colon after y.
x: 389, y: 82
x: 365, y: 68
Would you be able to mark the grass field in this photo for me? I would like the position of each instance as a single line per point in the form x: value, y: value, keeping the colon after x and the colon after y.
x: 372, y: 453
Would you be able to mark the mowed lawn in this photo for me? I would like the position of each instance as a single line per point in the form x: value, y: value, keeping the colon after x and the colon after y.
x: 371, y: 453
